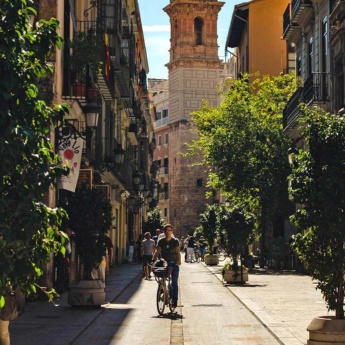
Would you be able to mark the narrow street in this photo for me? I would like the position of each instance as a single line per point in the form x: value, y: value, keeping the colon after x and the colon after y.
x: 207, y: 313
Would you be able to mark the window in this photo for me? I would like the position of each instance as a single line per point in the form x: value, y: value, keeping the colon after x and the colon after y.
x: 159, y: 140
x: 299, y: 65
x: 198, y: 26
x: 324, y: 53
x: 165, y: 212
x: 165, y: 113
x: 166, y: 138
x: 159, y: 115
x: 199, y: 182
x: 310, y: 56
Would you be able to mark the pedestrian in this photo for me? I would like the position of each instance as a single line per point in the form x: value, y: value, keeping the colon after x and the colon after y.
x: 155, y: 237
x: 215, y: 246
x: 130, y: 251
x: 148, y: 248
x: 169, y: 248
x: 190, y: 248
x: 110, y: 252
x: 138, y: 256
x: 185, y: 245
x: 202, y: 247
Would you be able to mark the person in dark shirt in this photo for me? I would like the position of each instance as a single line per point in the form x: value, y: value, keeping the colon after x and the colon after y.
x: 169, y: 249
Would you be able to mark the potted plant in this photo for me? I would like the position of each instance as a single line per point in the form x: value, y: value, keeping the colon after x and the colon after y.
x: 316, y: 185
x: 236, y: 232
x: 85, y: 59
x: 209, y: 229
x: 90, y: 219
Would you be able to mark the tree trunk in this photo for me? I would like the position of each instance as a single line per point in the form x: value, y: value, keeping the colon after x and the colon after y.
x: 339, y: 313
x: 263, y: 235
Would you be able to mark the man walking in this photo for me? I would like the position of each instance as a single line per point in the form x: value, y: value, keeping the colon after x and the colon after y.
x: 169, y: 248
x: 148, y: 248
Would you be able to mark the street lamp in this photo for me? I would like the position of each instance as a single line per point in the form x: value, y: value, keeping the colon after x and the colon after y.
x: 227, y: 202
x: 92, y: 111
x: 136, y: 178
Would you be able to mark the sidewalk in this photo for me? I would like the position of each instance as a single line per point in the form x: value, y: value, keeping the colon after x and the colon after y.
x: 43, y: 323
x: 284, y: 302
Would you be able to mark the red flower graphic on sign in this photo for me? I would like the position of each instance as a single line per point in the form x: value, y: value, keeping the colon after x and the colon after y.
x: 68, y: 154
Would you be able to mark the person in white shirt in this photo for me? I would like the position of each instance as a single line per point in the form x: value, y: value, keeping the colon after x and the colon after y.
x: 148, y: 247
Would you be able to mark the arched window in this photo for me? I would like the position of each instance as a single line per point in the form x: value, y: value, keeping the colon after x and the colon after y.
x: 198, y: 34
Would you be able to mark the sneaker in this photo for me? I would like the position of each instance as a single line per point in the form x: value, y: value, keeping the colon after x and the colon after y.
x: 174, y: 304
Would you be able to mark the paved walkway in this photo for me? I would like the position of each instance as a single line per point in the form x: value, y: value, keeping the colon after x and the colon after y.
x: 269, y: 309
x: 284, y: 302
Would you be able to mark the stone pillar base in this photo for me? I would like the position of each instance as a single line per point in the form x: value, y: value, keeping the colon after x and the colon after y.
x: 86, y: 293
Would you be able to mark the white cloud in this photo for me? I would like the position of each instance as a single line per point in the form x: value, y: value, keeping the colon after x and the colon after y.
x: 156, y: 28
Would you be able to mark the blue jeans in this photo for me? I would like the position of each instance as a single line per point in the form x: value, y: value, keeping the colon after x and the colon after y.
x: 174, y: 280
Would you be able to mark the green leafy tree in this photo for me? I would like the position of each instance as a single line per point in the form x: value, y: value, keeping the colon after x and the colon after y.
x: 317, y: 185
x: 90, y: 218
x: 29, y: 229
x: 153, y: 221
x: 237, y: 227
x: 243, y: 141
x: 210, y: 225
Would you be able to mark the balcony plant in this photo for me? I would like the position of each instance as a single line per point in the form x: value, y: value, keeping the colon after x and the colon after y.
x: 85, y: 58
x: 237, y: 227
x: 316, y: 185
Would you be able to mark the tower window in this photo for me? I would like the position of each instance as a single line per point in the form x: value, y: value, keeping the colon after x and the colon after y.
x: 199, y: 182
x: 198, y: 27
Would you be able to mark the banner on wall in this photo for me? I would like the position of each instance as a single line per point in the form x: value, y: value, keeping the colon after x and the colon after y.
x: 70, y: 150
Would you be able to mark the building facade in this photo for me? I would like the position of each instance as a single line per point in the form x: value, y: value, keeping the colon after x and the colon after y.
x: 108, y: 79
x: 255, y: 35
x: 194, y: 70
x: 159, y: 91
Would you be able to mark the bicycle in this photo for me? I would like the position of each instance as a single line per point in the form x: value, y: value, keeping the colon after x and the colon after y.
x: 163, y: 278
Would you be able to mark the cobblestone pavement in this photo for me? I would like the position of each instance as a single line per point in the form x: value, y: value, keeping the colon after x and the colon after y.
x: 269, y: 309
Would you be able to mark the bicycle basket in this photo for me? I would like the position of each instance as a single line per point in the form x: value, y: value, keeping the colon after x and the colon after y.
x: 163, y: 272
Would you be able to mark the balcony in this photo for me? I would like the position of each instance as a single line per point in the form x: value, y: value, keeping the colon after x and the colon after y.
x: 314, y: 91
x: 163, y: 170
x: 161, y: 122
x: 163, y: 195
x: 300, y: 8
x: 291, y: 110
x: 294, y: 15
x: 315, y: 88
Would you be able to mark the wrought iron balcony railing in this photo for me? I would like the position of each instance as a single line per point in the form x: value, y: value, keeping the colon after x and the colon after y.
x: 315, y: 88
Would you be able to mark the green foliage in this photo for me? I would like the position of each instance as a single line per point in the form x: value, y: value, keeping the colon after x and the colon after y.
x: 153, y: 221
x: 86, y: 49
x: 90, y: 219
x: 210, y: 225
x: 317, y: 185
x: 243, y: 140
x: 29, y: 230
x: 237, y: 227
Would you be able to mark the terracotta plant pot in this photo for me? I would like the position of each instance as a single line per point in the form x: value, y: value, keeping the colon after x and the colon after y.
x: 78, y: 90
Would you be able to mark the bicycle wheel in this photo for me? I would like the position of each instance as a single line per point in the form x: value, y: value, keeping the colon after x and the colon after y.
x: 171, y: 305
x: 161, y: 297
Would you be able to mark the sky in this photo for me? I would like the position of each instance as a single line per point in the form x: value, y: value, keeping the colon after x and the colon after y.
x: 157, y: 32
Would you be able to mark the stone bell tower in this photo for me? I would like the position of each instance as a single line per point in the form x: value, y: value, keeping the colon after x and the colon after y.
x: 194, y: 70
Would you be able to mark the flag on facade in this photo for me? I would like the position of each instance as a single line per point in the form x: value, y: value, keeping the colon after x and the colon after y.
x: 70, y: 151
x: 107, y: 57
